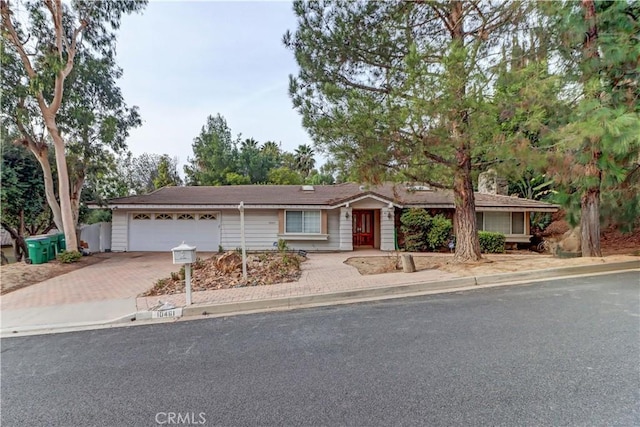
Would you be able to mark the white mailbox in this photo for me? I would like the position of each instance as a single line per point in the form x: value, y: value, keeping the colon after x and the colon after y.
x: 184, y: 254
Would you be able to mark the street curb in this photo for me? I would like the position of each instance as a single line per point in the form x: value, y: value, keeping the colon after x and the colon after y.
x: 333, y: 297
x: 65, y: 327
x: 556, y: 272
x: 399, y: 291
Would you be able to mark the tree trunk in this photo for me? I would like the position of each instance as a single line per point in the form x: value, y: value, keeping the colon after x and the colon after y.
x: 49, y: 190
x: 76, y: 193
x: 464, y: 219
x: 590, y: 223
x: 590, y: 200
x: 465, y: 228
x: 19, y: 245
x: 408, y: 265
x: 63, y: 185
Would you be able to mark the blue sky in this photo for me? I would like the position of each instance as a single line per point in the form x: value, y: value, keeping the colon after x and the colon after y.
x: 184, y: 60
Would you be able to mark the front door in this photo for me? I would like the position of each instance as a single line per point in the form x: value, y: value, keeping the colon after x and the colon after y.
x: 362, y: 228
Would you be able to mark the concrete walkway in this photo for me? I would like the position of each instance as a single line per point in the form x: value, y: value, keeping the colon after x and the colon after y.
x: 106, y: 292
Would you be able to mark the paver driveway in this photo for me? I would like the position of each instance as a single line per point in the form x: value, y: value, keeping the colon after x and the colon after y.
x: 122, y: 275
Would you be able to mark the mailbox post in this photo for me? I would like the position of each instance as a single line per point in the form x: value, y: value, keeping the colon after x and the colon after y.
x: 185, y: 254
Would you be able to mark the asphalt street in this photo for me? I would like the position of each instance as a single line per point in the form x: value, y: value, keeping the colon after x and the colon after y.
x: 562, y: 352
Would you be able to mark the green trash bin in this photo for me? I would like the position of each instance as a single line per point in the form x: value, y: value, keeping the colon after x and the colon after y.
x: 38, y: 248
x: 53, y: 246
x: 62, y: 243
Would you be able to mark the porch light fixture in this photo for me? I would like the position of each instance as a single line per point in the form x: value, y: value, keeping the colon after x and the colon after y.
x: 388, y: 214
x: 346, y: 215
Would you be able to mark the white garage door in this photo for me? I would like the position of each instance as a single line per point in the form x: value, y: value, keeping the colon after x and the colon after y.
x: 161, y: 231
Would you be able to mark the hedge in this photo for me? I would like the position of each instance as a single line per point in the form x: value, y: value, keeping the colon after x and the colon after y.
x: 440, y: 232
x: 423, y: 232
x: 490, y: 242
x: 415, y: 225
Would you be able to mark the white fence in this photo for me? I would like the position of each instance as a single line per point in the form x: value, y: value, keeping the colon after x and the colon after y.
x: 97, y: 236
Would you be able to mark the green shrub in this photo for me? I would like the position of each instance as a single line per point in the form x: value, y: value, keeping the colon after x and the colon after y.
x: 491, y: 243
x: 290, y: 260
x: 415, y: 227
x: 439, y: 232
x: 68, y: 257
x: 282, y: 246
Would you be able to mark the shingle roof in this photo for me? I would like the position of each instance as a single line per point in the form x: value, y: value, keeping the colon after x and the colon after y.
x: 321, y: 195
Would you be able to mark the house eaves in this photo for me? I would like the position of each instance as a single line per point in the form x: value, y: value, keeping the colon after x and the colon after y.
x: 211, y: 207
x: 368, y: 195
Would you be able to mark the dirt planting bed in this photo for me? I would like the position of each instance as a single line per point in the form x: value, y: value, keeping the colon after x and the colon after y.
x: 225, y: 271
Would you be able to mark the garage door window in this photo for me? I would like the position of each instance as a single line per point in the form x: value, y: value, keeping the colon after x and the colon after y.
x: 141, y: 216
x: 185, y: 216
x: 208, y: 217
x: 163, y: 216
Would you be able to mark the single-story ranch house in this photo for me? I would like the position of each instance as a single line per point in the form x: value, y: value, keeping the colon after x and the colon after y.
x: 338, y: 217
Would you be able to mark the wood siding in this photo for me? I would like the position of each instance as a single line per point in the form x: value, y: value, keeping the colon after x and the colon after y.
x: 119, y: 231
x: 263, y: 226
x: 387, y: 225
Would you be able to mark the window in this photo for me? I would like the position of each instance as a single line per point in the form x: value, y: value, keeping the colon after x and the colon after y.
x: 207, y: 217
x: 185, y: 216
x: 141, y: 216
x: 164, y: 216
x: 302, y: 222
x: 480, y: 220
x: 517, y: 222
x: 501, y: 222
x: 498, y: 222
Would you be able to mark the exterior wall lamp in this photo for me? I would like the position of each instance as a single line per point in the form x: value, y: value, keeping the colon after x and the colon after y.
x: 346, y: 215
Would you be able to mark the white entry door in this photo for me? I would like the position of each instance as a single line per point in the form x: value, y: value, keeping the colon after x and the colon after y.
x: 162, y: 231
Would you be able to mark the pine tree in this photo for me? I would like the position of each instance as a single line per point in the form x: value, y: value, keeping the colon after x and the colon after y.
x: 402, y: 90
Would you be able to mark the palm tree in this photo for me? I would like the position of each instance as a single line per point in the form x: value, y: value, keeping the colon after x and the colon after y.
x: 304, y: 159
x: 249, y: 144
x: 271, y: 148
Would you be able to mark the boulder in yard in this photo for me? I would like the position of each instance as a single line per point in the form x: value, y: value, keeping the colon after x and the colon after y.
x: 571, y: 240
x: 229, y: 262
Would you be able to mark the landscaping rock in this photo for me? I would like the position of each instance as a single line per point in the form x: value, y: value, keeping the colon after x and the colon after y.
x: 229, y: 262
x: 571, y: 241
